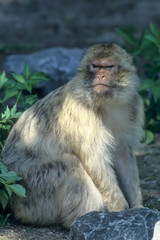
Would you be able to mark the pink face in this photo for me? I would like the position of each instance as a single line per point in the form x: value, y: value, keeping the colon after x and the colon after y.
x: 104, y: 71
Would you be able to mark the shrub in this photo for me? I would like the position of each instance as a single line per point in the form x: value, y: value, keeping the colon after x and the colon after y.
x: 147, y: 50
x: 13, y: 89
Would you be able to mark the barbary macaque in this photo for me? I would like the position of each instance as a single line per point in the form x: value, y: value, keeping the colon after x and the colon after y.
x: 74, y: 148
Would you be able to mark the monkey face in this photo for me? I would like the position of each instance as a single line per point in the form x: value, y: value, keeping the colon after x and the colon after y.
x: 107, y: 70
x: 104, y: 76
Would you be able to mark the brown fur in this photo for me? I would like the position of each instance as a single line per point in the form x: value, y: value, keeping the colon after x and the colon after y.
x: 74, y: 148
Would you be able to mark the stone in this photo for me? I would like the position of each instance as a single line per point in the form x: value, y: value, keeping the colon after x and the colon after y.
x: 59, y: 63
x: 156, y: 233
x: 131, y: 224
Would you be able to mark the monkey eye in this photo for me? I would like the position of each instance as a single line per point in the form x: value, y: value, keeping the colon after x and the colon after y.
x: 95, y: 66
x: 110, y: 67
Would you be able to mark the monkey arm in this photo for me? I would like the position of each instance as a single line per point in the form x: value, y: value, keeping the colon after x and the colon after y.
x: 127, y: 173
x: 126, y: 165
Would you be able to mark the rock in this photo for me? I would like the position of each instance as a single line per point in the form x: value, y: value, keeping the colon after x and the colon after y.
x: 59, y: 63
x: 156, y: 234
x: 132, y: 224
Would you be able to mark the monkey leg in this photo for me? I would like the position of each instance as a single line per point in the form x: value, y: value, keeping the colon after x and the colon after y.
x: 57, y: 192
x: 78, y: 196
x: 39, y: 207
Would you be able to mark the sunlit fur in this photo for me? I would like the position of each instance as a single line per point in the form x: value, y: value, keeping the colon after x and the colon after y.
x: 74, y: 148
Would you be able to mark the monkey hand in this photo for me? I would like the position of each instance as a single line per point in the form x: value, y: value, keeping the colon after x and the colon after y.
x: 137, y: 206
x: 118, y: 204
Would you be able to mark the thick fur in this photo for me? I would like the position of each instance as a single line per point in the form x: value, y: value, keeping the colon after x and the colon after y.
x: 74, y: 148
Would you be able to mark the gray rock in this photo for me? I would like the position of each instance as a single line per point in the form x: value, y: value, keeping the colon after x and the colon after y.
x: 132, y: 224
x: 59, y: 63
x: 156, y: 234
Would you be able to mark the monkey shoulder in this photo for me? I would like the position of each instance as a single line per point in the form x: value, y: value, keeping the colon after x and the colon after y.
x: 37, y: 120
x: 45, y: 111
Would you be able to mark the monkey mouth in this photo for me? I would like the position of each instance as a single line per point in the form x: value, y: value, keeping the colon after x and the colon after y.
x: 102, y: 84
x: 105, y: 85
x: 101, y: 88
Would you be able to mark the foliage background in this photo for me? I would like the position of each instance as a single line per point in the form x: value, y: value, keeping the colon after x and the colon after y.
x: 13, y: 89
x: 146, y: 49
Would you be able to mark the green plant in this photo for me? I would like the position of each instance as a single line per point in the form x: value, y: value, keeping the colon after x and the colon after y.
x: 12, y: 89
x: 8, y: 185
x: 147, y: 50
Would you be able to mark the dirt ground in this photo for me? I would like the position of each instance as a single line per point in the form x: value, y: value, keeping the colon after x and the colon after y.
x: 31, y: 25
x: 149, y: 168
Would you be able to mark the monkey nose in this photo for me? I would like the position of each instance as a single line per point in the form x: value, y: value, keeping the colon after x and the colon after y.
x: 101, y: 77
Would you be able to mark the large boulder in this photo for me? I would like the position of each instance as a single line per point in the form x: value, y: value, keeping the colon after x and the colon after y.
x: 132, y: 224
x: 59, y: 63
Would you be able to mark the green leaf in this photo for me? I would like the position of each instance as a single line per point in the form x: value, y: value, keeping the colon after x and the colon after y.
x: 6, y: 175
x: 34, y: 79
x: 149, y: 137
x: 29, y: 100
x: 13, y: 112
x: 7, y: 112
x: 153, y: 39
x: 40, y: 76
x: 12, y: 84
x: 8, y: 191
x: 10, y: 177
x: 8, y: 93
x: 3, y: 199
x: 9, y: 115
x: 146, y: 84
x: 13, y: 179
x: 17, y: 189
x: 19, y: 78
x: 127, y: 35
x: 136, y: 52
x: 3, y: 79
x: 157, y: 58
x: 154, y: 123
x: 27, y: 71
x: 147, y: 101
x: 2, y: 166
x: 150, y: 52
x: 155, y: 30
x: 28, y: 86
x: 156, y: 93
x: 143, y: 42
